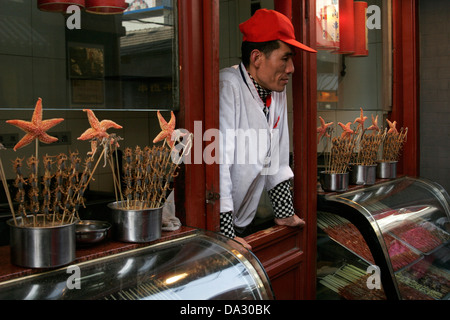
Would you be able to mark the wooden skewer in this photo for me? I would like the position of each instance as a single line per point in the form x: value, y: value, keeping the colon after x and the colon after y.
x: 8, y: 195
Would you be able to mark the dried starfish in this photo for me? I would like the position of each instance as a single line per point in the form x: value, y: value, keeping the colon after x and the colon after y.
x: 347, y: 130
x: 36, y: 128
x: 361, y: 120
x: 392, y: 125
x: 322, y: 130
x: 374, y: 125
x: 167, y: 129
x: 98, y: 128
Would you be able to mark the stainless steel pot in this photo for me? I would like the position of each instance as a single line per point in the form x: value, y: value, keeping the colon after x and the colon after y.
x: 387, y: 170
x: 41, y: 247
x: 336, y: 182
x: 363, y: 175
x: 135, y: 225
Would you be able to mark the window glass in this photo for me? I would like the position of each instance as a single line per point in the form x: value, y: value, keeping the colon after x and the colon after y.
x: 350, y: 81
x: 83, y: 60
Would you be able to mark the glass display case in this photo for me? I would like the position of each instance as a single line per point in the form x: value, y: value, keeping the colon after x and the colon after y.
x: 199, y: 266
x: 395, y: 233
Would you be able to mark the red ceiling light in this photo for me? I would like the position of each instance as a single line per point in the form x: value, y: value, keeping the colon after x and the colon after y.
x: 58, y: 5
x: 106, y: 6
x: 361, y: 41
x: 346, y: 27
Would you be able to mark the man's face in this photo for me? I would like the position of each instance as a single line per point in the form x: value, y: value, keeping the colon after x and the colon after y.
x: 273, y: 71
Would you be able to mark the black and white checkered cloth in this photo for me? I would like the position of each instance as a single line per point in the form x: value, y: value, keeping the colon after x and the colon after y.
x: 263, y: 94
x: 283, y: 207
x: 226, y: 224
x: 281, y: 199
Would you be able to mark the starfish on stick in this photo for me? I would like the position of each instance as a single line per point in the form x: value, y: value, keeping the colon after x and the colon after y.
x: 167, y: 129
x: 98, y: 128
x: 347, y: 131
x: 392, y: 126
x: 361, y: 120
x: 374, y: 125
x: 323, y: 129
x: 36, y: 128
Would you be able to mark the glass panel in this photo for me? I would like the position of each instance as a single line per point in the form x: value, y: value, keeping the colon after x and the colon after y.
x: 415, y: 198
x: 413, y: 216
x: 346, y: 81
x: 120, y: 61
x: 349, y: 81
x: 343, y: 258
x: 182, y: 269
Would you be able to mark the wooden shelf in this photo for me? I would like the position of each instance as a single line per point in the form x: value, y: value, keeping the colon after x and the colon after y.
x: 9, y: 271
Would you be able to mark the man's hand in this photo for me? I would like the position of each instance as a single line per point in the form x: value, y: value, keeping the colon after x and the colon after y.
x: 243, y: 242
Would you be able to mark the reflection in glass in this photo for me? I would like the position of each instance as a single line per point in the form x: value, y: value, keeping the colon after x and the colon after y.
x: 124, y: 61
x: 411, y: 220
x: 200, y: 267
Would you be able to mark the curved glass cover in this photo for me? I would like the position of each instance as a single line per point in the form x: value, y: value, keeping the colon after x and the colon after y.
x: 412, y: 217
x: 198, y: 267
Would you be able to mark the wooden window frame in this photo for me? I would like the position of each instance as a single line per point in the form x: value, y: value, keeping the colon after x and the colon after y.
x: 198, y: 25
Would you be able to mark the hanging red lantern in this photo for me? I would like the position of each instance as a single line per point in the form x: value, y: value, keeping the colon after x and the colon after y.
x: 361, y: 40
x: 346, y: 27
x: 106, y: 6
x: 58, y: 5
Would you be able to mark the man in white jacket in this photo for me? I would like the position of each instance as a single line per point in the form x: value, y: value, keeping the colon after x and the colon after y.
x: 254, y: 125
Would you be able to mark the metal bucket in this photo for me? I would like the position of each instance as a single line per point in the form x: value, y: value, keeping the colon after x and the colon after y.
x: 363, y: 175
x: 42, y: 247
x: 335, y: 182
x: 387, y: 170
x: 135, y: 225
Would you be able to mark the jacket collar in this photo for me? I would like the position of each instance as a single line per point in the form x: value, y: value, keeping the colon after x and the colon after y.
x: 256, y: 90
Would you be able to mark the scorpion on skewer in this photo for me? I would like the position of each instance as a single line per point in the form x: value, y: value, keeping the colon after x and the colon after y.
x: 20, y: 183
x: 147, y: 175
x: 32, y: 164
x: 47, y: 182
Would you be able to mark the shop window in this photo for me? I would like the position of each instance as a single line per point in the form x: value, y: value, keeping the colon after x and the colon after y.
x: 111, y: 62
x: 349, y: 81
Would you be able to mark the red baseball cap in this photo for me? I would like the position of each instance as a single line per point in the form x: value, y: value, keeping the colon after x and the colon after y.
x: 269, y: 25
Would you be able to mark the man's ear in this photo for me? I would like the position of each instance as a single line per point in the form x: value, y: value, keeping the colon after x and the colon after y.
x: 256, y: 57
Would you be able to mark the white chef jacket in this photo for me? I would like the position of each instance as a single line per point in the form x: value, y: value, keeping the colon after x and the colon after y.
x: 248, y: 135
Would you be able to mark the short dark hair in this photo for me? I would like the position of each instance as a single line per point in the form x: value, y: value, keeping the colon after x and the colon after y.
x: 265, y: 47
